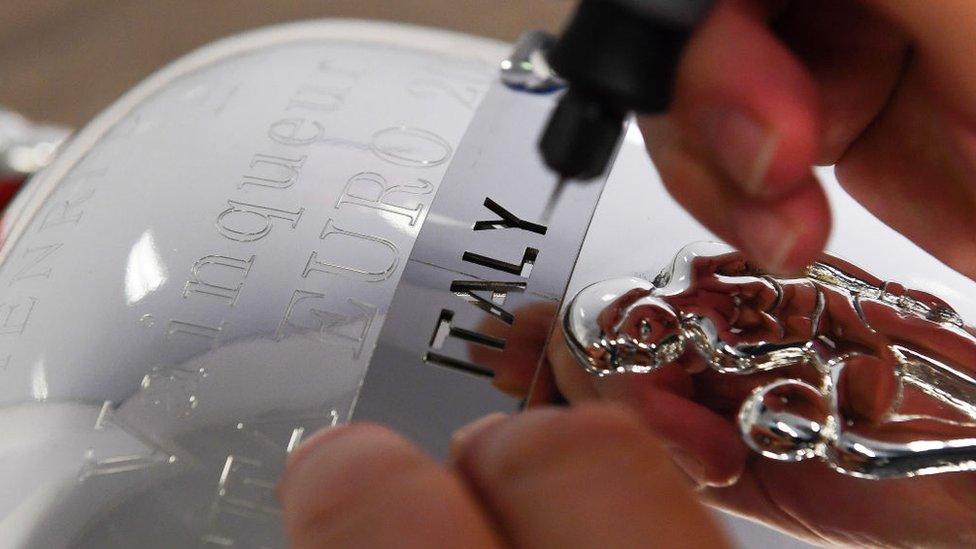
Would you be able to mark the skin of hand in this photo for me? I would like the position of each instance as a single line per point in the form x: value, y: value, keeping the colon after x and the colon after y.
x: 694, y: 415
x: 693, y: 418
x: 587, y: 476
x: 883, y: 89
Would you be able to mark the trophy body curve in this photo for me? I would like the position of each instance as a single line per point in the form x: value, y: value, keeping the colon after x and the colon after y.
x: 203, y: 275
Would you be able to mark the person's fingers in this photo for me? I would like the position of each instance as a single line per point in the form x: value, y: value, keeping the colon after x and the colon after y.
x: 918, y: 155
x: 752, y: 499
x: 831, y: 505
x: 942, y: 35
x: 750, y: 115
x: 364, y: 486
x: 783, y: 234
x: 573, y: 382
x: 704, y: 444
x: 855, y: 56
x: 514, y: 367
x: 747, y: 102
x: 744, y: 130
x: 589, y: 476
x: 911, y: 170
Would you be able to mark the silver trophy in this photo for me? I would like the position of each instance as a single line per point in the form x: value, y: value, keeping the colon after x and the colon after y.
x: 283, y: 231
x: 876, y: 379
x: 299, y: 227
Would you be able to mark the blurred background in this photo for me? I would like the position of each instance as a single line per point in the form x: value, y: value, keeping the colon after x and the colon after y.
x: 65, y: 60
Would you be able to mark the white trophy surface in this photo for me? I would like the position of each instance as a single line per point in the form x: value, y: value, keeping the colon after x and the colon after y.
x: 199, y: 279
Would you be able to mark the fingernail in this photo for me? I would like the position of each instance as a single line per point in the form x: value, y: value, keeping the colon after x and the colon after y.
x: 765, y: 237
x: 745, y: 146
x: 689, y: 464
x: 469, y: 432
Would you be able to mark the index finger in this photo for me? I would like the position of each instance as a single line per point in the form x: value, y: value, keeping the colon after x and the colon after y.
x: 362, y: 485
x: 584, y: 477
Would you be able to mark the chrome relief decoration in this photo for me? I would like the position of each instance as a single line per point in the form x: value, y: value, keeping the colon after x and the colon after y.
x: 526, y: 68
x: 875, y: 379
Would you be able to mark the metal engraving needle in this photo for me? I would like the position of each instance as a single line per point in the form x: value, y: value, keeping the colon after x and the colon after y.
x: 550, y: 206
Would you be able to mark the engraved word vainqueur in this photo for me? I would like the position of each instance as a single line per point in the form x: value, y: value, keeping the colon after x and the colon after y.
x: 398, y: 197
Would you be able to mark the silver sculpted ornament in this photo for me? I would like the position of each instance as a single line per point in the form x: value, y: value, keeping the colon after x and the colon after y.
x: 876, y: 379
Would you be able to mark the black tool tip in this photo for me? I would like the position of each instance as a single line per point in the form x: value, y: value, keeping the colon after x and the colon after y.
x: 581, y: 136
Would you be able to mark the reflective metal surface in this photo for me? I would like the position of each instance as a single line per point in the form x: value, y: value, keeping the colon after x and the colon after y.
x: 201, y: 278
x: 487, y: 264
x: 880, y: 379
x: 212, y: 269
x: 527, y: 69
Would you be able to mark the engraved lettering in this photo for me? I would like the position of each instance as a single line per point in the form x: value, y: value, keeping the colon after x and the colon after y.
x: 37, y: 255
x: 349, y: 327
x: 462, y: 72
x: 275, y: 437
x: 131, y: 452
x: 243, y: 490
x: 66, y: 212
x: 203, y: 332
x: 89, y: 169
x: 368, y: 257
x: 174, y: 389
x: 337, y: 326
x: 15, y: 316
x: 276, y: 172
x: 113, y: 465
x: 245, y: 493
x: 445, y: 328
x: 427, y: 88
x: 508, y: 220
x: 318, y: 98
x: 213, y: 97
x: 227, y: 277
x: 328, y: 66
x: 457, y: 364
x: 249, y: 222
x: 405, y: 146
x: 104, y: 417
x: 371, y: 190
x: 217, y: 540
x: 298, y: 433
x: 222, y: 99
x: 523, y: 269
x: 295, y: 131
x: 465, y: 289
x: 287, y: 325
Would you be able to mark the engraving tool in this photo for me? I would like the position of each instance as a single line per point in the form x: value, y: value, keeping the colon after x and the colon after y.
x: 616, y: 57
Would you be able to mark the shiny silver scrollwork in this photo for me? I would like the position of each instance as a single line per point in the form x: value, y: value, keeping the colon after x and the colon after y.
x: 875, y: 379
